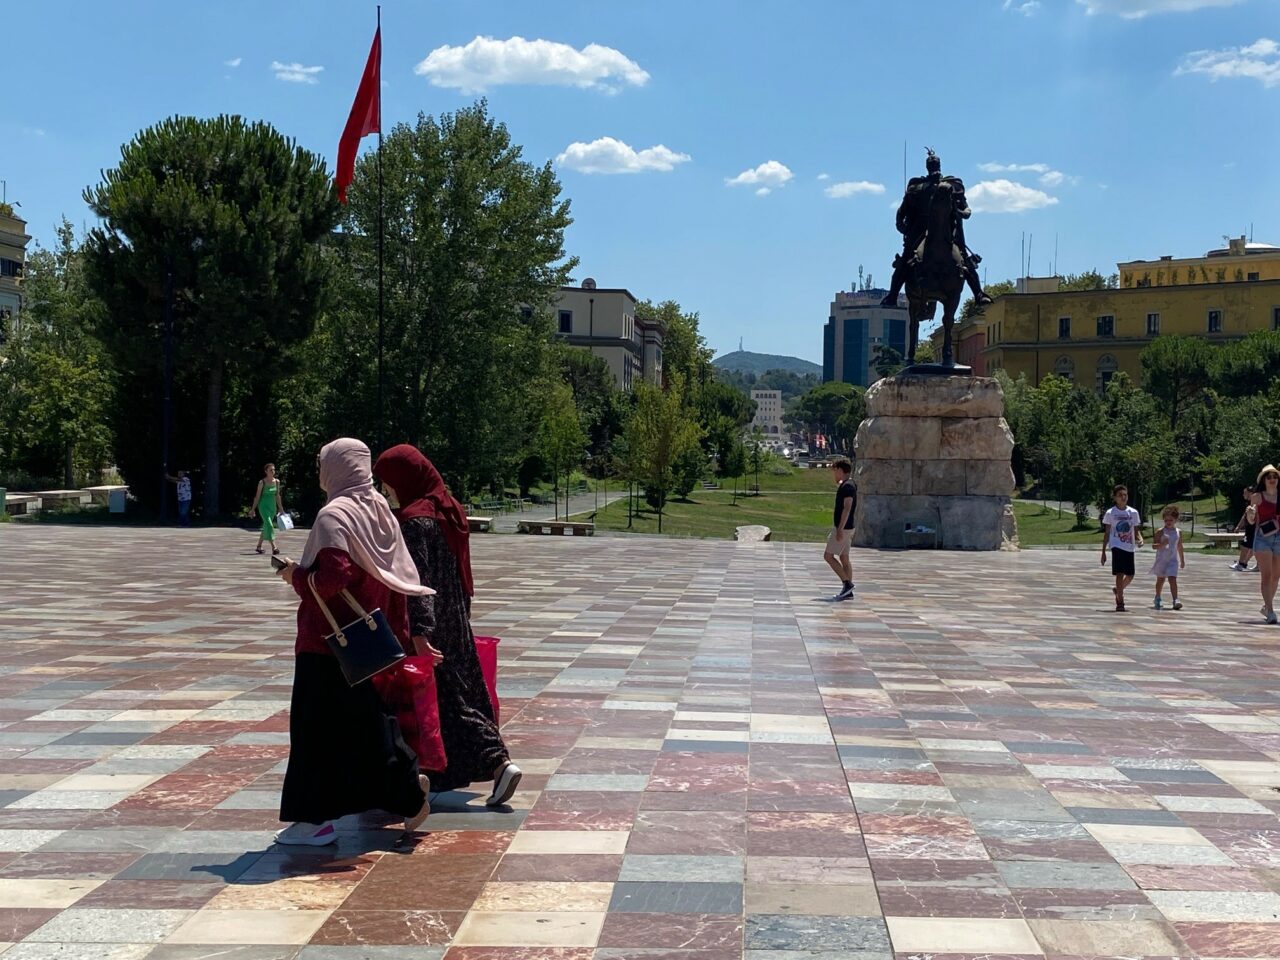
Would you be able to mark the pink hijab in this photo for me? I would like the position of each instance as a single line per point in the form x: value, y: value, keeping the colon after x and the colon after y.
x: 358, y: 520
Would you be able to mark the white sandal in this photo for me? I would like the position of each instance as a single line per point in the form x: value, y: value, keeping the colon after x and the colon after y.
x: 411, y: 824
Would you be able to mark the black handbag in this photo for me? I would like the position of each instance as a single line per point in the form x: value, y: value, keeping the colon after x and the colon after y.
x: 364, y: 647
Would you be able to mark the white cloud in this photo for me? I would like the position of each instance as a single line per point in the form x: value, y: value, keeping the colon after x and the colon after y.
x: 1048, y: 176
x: 1005, y: 196
x: 769, y: 176
x: 1137, y: 9
x: 1259, y: 61
x: 233, y: 63
x: 295, y: 72
x: 486, y: 62
x: 824, y: 176
x: 1024, y: 7
x: 851, y: 188
x: 34, y: 131
x: 607, y: 155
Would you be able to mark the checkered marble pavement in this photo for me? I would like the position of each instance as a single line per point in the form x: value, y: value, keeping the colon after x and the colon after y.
x: 974, y: 758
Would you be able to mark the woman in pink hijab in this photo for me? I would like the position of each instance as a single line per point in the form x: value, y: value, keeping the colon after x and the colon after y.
x: 346, y: 754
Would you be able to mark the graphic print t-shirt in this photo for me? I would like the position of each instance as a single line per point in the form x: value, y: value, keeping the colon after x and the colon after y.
x: 1123, y: 524
x: 184, y: 488
x: 846, y: 491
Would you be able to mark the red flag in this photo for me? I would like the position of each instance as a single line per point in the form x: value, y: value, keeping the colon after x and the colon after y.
x: 366, y: 117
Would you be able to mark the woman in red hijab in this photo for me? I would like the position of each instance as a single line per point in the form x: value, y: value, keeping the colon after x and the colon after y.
x: 435, y: 529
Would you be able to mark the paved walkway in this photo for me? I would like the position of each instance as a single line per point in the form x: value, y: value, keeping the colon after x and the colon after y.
x: 974, y: 758
x: 579, y: 503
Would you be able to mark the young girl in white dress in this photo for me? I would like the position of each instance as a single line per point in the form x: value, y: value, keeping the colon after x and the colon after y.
x: 1169, y: 557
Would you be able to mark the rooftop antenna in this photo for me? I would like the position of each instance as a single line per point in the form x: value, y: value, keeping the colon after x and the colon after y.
x: 1022, y: 257
x: 1029, y: 239
x: 1055, y: 255
x: 739, y: 344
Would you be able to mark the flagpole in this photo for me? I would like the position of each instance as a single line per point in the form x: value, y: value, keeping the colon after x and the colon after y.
x: 382, y: 410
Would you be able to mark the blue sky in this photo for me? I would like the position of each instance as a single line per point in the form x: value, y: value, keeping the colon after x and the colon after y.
x: 1136, y: 127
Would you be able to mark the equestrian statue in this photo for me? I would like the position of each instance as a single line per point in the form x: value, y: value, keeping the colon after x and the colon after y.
x: 935, y: 264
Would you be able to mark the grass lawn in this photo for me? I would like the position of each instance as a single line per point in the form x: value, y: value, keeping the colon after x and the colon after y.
x: 1038, y: 526
x: 796, y: 506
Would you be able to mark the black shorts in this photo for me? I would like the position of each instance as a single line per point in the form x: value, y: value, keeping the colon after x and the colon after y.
x: 1122, y: 563
x: 1249, y: 529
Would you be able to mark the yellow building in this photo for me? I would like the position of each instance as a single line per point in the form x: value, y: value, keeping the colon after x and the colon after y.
x: 1089, y: 336
x: 13, y: 256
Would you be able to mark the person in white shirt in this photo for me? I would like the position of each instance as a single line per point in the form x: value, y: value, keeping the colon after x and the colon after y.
x: 1122, y: 532
x: 183, y: 483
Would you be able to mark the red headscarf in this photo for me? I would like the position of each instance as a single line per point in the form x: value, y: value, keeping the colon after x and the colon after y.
x: 422, y: 493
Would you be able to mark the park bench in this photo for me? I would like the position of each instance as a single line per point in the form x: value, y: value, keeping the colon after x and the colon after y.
x: 63, y: 497
x: 480, y: 524
x: 21, y: 503
x: 560, y: 527
x: 113, y: 496
x: 1230, y: 537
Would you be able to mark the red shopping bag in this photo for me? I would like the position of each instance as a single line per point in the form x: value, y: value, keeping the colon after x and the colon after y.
x: 409, y: 690
x: 487, y: 651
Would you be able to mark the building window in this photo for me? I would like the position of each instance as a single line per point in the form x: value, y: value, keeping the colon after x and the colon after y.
x: 1107, y: 326
x: 1065, y: 367
x: 1107, y: 368
x: 566, y: 321
x: 1215, y: 321
x: 10, y: 268
x: 1064, y: 328
x: 1255, y: 276
x: 1275, y: 318
x: 1153, y: 324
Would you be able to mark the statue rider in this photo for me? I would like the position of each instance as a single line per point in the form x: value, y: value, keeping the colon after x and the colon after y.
x: 912, y: 223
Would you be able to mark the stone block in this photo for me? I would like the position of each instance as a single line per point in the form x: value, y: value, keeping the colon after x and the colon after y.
x: 898, y: 438
x: 921, y: 396
x: 982, y: 438
x: 988, y: 478
x: 941, y: 478
x: 880, y: 518
x: 963, y: 523
x: 753, y: 533
x: 973, y: 523
x: 882, y: 476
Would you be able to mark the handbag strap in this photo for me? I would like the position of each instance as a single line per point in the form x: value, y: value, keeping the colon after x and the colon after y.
x: 328, y: 615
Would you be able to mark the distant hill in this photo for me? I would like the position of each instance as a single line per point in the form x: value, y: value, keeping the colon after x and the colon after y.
x: 744, y: 361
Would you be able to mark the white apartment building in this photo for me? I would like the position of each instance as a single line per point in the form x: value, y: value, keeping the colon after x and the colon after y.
x: 768, y: 416
x: 603, y: 321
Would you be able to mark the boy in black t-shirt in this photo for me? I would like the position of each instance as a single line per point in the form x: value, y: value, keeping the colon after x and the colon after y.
x: 841, y: 536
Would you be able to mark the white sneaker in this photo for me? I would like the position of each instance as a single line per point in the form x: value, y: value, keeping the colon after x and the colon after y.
x: 1239, y: 567
x: 308, y: 834
x: 505, y: 785
x: 1271, y: 616
x: 411, y: 824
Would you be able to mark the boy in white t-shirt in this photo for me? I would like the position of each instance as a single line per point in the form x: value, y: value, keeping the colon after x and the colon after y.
x: 1122, y: 531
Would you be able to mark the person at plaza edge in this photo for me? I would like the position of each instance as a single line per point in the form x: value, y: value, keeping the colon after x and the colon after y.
x: 268, y: 501
x: 1121, y: 530
x: 346, y: 754
x: 1170, y: 557
x: 183, y: 482
x: 1248, y: 529
x: 841, y: 537
x: 1266, y: 538
x: 435, y: 528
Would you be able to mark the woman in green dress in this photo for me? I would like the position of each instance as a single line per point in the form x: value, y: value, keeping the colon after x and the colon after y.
x: 268, y: 502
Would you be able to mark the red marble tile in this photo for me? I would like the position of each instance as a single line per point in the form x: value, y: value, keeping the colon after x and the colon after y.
x: 702, y: 833
x: 1254, y: 940
x: 423, y: 883
x: 519, y: 953
x: 425, y: 928
x: 15, y: 924
x: 1150, y: 877
x: 559, y: 867
x: 917, y: 900
x: 685, y: 931
x: 153, y: 894
x: 453, y: 842
x: 67, y: 866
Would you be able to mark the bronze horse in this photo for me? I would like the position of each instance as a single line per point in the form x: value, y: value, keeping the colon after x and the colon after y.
x: 938, y: 273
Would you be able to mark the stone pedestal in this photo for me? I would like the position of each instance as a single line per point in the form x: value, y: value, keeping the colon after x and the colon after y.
x: 934, y: 453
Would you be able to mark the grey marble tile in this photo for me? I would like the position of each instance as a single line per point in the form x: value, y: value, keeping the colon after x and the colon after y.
x: 1144, y: 818
x: 189, y: 866
x: 858, y: 935
x: 650, y: 897
x: 674, y: 869
x: 1052, y: 874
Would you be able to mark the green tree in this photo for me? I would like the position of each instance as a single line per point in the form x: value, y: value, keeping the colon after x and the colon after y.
x: 690, y: 467
x: 659, y: 432
x: 1247, y: 367
x: 1089, y: 280
x: 684, y: 348
x: 1175, y: 371
x: 561, y: 441
x: 855, y: 412
x: 602, y: 406
x: 56, y: 383
x: 821, y: 408
x: 887, y: 361
x: 995, y: 291
x: 233, y: 212
x: 474, y: 251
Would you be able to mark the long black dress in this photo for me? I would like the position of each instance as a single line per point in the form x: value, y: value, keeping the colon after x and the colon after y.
x: 472, y: 743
